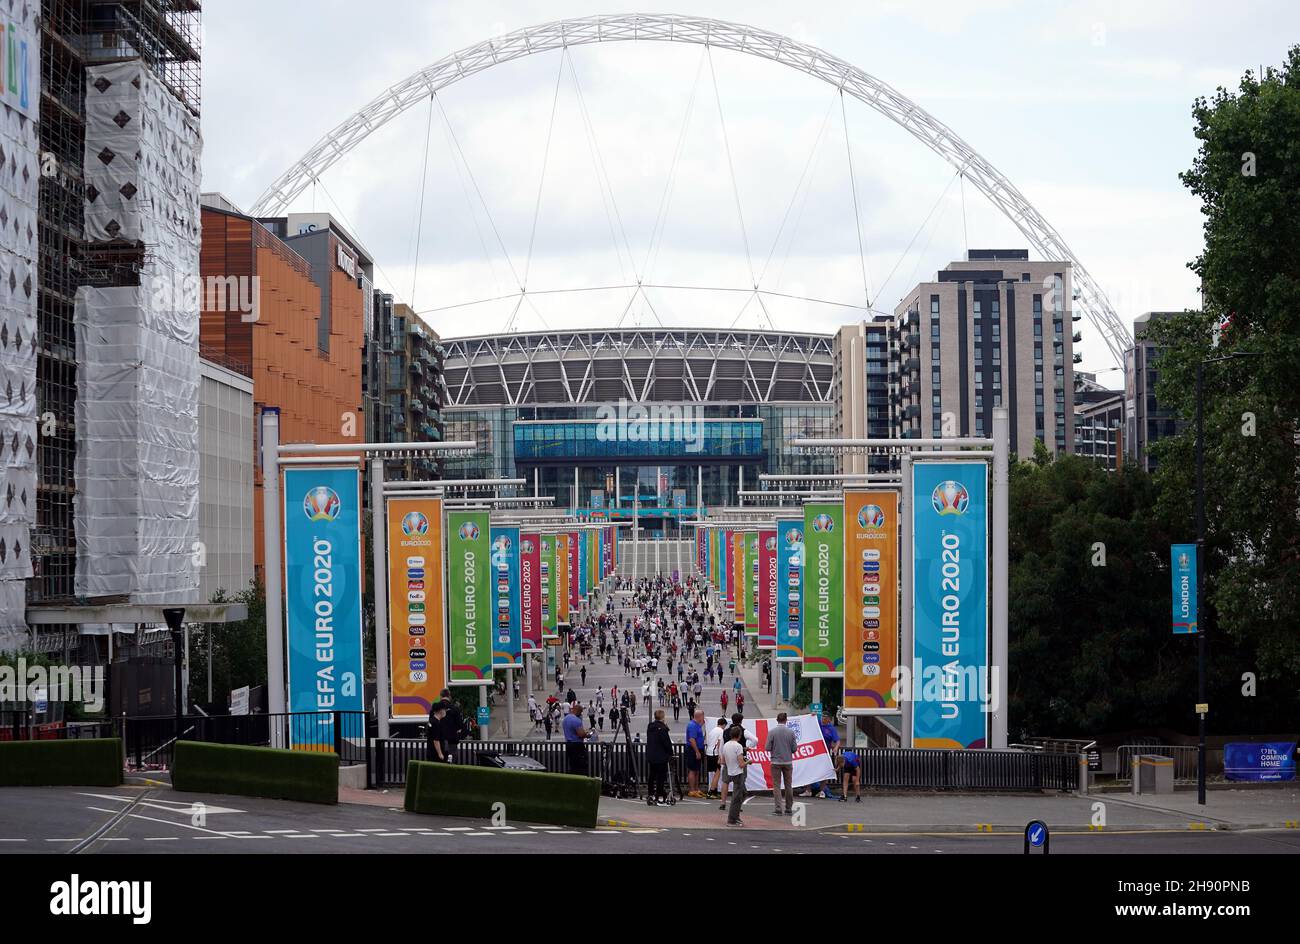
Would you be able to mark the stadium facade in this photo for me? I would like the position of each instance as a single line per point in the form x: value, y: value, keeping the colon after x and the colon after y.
x: 649, y: 422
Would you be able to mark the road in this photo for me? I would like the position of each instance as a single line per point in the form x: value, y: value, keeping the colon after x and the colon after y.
x: 156, y: 819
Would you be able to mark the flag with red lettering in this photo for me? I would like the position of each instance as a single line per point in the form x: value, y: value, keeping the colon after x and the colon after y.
x: 812, y: 759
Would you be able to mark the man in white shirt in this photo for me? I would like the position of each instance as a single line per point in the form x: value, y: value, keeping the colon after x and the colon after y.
x: 733, y: 768
x: 712, y: 745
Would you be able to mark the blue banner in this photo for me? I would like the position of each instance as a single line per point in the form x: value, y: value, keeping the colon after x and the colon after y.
x: 789, y: 591
x: 949, y: 604
x: 1259, y: 762
x: 1182, y: 558
x: 507, y: 630
x: 322, y: 595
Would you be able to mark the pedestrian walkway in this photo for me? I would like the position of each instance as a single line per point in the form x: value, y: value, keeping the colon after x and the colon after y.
x: 611, y: 675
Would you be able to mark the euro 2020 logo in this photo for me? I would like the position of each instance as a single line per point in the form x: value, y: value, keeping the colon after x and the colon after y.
x: 950, y: 498
x: 871, y: 517
x: 793, y: 537
x: 526, y: 547
x: 414, y: 524
x: 770, y: 544
x: 823, y: 522
x: 468, y: 531
x: 321, y: 504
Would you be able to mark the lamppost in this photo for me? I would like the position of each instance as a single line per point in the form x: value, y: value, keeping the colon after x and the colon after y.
x: 1201, y: 705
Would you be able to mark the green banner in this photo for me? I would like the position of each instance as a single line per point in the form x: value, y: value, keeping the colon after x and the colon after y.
x: 751, y: 583
x: 469, y: 597
x: 550, y: 586
x: 823, y: 589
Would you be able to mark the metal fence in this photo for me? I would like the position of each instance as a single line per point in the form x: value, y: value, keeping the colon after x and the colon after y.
x: 148, y: 742
x: 904, y: 769
x: 1184, y: 757
x: 20, y: 725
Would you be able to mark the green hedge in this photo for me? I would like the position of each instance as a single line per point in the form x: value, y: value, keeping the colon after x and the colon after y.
x: 89, y: 762
x: 309, y: 776
x: 456, y: 790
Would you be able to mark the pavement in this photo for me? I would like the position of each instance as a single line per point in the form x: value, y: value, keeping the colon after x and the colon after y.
x: 153, y: 818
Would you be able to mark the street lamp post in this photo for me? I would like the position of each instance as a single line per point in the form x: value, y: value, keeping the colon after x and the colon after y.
x: 1200, y: 561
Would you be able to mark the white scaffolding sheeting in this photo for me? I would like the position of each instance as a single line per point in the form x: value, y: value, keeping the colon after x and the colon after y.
x: 19, y: 176
x: 136, y: 508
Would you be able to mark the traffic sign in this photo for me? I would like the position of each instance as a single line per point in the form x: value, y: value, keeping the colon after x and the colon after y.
x: 1037, y: 836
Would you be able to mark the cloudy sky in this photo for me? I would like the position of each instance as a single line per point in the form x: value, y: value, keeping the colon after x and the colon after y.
x: 1084, y: 106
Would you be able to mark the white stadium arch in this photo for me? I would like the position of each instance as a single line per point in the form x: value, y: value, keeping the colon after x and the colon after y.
x: 707, y: 32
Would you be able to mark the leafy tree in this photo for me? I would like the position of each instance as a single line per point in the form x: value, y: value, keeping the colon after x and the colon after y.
x: 1247, y: 174
x: 238, y: 649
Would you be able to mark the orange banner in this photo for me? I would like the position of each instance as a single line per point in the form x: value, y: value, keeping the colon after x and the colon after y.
x: 562, y: 577
x: 870, y: 601
x: 417, y: 647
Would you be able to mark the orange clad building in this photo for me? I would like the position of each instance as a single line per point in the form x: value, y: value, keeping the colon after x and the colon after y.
x: 287, y: 301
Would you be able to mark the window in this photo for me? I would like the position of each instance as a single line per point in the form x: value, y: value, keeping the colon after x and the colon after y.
x: 1038, y: 307
x: 997, y: 333
x: 979, y: 356
x: 934, y: 306
x: 1038, y: 376
x: 934, y: 400
x: 979, y: 426
x: 977, y: 308
x: 934, y: 376
x: 979, y: 332
x: 936, y: 427
x: 997, y: 375
x: 997, y: 399
x: 996, y: 309
x: 1038, y: 329
x: 934, y: 329
x: 997, y: 355
x: 979, y: 401
x: 934, y: 353
x: 979, y: 381
x: 1038, y: 399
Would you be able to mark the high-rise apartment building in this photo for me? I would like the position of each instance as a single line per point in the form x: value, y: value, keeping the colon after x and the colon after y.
x: 992, y: 330
x: 1098, y: 421
x: 860, y: 387
x: 1146, y: 422
x: 404, y: 385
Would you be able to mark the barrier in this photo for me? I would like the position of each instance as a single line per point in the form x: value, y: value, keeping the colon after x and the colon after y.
x: 89, y: 762
x: 308, y: 776
x: 485, y: 792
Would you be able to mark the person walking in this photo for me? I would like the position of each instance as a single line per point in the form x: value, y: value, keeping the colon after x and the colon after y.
x: 713, y: 748
x: 453, y: 726
x: 575, y: 751
x: 781, y: 745
x: 740, y: 701
x: 583, y: 674
x: 677, y: 707
x: 548, y: 724
x: 734, y: 763
x: 723, y: 698
x: 658, y: 752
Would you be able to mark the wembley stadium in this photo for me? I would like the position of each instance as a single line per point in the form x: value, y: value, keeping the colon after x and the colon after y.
x: 652, y: 420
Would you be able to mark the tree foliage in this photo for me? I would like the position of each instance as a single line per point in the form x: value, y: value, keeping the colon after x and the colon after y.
x: 238, y: 649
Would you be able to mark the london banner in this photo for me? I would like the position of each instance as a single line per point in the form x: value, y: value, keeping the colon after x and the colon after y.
x: 507, y: 644
x: 322, y: 594
x: 417, y: 656
x: 870, y: 601
x: 823, y: 643
x: 950, y: 618
x: 469, y: 589
x: 767, y: 589
x: 789, y: 591
x: 1182, y: 559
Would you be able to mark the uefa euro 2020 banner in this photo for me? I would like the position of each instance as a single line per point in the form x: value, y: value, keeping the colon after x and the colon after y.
x: 751, y: 583
x: 870, y: 600
x: 531, y: 597
x: 417, y: 641
x: 322, y: 582
x: 549, y: 585
x: 469, y: 597
x: 789, y: 595
x: 767, y: 587
x: 949, y: 604
x: 507, y: 640
x: 823, y: 589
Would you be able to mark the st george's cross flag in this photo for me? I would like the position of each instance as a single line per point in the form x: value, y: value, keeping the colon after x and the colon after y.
x: 812, y: 759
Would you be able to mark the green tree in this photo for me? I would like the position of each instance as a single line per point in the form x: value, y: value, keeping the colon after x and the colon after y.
x: 238, y: 649
x: 1247, y: 174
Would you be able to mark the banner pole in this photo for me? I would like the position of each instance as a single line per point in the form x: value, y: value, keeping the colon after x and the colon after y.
x: 906, y: 658
x: 1000, y: 574
x: 379, y: 584
x: 272, y: 576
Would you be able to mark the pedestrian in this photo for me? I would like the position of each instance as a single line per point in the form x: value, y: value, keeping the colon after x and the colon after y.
x: 575, y: 751
x: 591, y: 716
x: 600, y: 718
x: 453, y: 726
x: 677, y: 707
x: 600, y: 697
x: 781, y: 745
x: 658, y: 752
x: 740, y: 701
x: 734, y: 763
x: 713, y: 748
x: 437, y: 746
x: 694, y: 754
x: 571, y: 696
x: 850, y: 772
x: 724, y: 701
x: 583, y: 673
x: 548, y: 724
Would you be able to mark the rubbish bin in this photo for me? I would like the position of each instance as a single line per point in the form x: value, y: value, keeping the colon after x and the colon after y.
x: 509, y: 762
x: 1152, y: 774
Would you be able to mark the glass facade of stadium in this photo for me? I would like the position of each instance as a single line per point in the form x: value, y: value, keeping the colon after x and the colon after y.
x: 615, y: 456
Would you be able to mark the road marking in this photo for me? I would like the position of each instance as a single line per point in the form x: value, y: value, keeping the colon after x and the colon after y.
x: 13, y: 840
x: 327, y: 830
x: 277, y: 832
x: 457, y: 829
x: 162, y: 838
x: 401, y: 835
x: 61, y: 840
x: 348, y: 835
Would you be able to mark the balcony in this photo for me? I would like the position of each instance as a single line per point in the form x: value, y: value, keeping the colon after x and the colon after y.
x: 912, y: 339
x: 912, y: 411
x: 417, y: 405
x: 912, y: 365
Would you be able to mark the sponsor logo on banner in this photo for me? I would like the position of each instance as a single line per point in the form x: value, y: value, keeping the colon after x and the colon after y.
x: 467, y: 592
x: 871, y: 641
x: 823, y: 644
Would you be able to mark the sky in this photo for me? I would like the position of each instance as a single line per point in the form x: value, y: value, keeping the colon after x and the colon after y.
x: 538, y: 193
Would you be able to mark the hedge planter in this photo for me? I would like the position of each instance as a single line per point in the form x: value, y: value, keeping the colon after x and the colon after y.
x: 308, y: 776
x: 528, y: 797
x: 92, y: 762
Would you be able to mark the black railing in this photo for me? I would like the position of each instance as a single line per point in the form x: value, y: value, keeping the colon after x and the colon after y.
x: 884, y: 768
x: 148, y: 741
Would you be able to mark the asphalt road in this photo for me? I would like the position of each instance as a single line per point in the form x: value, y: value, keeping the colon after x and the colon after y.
x: 151, y: 820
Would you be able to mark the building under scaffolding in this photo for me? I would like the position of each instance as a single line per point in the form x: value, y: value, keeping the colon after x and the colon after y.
x: 80, y: 41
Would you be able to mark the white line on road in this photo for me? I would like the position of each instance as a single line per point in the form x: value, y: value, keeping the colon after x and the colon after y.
x: 162, y: 838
